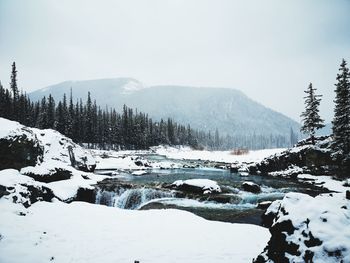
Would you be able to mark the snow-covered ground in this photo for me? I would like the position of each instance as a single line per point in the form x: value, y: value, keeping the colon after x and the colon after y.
x: 216, y: 156
x: 81, y: 232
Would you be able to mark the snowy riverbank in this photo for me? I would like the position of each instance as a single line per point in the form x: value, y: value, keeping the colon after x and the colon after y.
x: 42, y: 219
x: 216, y: 156
x: 81, y: 232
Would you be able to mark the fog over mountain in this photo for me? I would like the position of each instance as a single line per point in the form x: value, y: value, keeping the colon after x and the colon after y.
x: 228, y: 110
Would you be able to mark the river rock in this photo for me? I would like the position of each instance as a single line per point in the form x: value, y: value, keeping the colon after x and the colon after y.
x: 198, y: 186
x: 264, y: 205
x: 251, y: 187
x: 86, y: 195
x: 234, y: 168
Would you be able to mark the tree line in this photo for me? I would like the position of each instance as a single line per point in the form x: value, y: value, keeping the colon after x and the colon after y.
x: 86, y: 122
x: 312, y: 121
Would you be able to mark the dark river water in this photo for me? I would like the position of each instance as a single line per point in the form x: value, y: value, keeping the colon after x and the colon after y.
x: 233, y: 205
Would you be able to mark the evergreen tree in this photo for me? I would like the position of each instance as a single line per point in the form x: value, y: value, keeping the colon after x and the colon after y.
x: 89, y: 120
x: 5, y: 102
x: 311, y: 119
x: 70, y: 117
x: 51, y: 112
x: 14, y: 89
x: 42, y: 120
x: 60, y: 118
x: 341, y: 120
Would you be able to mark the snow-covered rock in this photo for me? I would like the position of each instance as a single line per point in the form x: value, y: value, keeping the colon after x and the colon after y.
x: 45, y: 150
x: 308, y: 229
x: 21, y: 189
x: 58, y: 148
x: 305, y: 158
x: 204, y: 186
x: 139, y: 173
x: 19, y: 146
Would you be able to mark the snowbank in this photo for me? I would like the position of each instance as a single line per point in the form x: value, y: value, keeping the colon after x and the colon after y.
x: 216, y: 156
x: 20, y: 186
x: 11, y: 128
x: 116, y: 162
x: 93, y: 233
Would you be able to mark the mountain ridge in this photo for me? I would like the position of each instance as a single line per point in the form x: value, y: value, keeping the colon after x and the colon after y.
x: 207, y: 108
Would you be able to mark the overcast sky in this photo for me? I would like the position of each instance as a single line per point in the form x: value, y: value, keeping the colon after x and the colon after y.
x: 270, y: 50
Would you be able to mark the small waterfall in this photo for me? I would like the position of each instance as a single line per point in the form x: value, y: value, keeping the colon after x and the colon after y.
x: 130, y: 198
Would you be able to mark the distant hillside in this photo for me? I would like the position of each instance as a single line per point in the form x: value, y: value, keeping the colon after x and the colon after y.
x: 228, y: 110
x: 327, y: 130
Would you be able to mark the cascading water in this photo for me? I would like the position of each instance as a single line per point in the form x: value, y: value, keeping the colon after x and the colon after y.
x: 130, y: 198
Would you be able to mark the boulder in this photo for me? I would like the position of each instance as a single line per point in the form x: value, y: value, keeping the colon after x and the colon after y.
x: 315, y: 159
x: 306, y: 229
x: 19, y: 151
x: 251, y: 187
x: 22, y: 146
x: 264, y: 205
x: 234, y: 168
x: 86, y: 195
x: 197, y: 186
x: 3, y: 191
x: 37, y: 193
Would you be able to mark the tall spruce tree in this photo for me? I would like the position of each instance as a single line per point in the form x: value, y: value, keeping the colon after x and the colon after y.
x: 70, y: 116
x: 310, y: 117
x: 15, y: 93
x: 341, y: 120
x: 50, y: 112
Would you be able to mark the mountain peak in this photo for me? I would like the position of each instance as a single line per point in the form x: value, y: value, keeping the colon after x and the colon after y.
x: 132, y: 86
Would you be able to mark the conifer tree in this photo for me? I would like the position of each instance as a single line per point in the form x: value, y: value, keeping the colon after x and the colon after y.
x: 60, y: 118
x: 51, y: 112
x: 310, y: 117
x: 89, y: 120
x: 341, y: 120
x: 42, y: 115
x: 14, y: 89
x: 70, y: 117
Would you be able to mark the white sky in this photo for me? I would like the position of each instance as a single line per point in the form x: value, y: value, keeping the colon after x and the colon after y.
x: 269, y: 49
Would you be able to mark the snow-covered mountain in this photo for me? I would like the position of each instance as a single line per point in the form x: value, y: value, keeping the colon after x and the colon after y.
x: 229, y: 110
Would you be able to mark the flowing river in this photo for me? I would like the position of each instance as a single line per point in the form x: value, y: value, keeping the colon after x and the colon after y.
x: 148, y: 191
